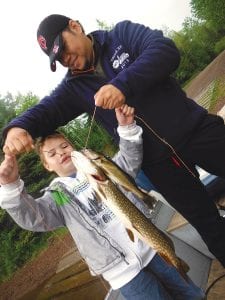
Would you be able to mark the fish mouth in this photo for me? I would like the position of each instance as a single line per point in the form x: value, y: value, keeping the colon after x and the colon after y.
x: 98, y: 177
x: 90, y: 154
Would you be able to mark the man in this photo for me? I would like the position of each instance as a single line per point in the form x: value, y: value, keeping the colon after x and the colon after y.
x: 133, y: 64
x: 101, y: 238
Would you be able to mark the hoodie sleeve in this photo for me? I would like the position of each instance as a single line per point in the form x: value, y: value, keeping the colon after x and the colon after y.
x: 154, y: 57
x: 39, y: 214
x: 52, y: 111
x: 130, y: 154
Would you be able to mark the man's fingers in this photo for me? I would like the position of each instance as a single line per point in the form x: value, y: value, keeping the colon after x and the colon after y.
x: 18, y: 146
x: 24, y: 143
x: 18, y: 140
x: 109, y: 97
x: 14, y: 148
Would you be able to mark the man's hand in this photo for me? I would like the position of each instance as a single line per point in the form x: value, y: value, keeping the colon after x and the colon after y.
x: 18, y: 140
x: 9, y: 170
x: 109, y: 97
x: 125, y: 115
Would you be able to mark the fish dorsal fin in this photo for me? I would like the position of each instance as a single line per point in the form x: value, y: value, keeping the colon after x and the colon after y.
x: 121, y: 178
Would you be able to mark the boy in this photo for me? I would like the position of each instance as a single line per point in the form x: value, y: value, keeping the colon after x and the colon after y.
x: 102, y: 240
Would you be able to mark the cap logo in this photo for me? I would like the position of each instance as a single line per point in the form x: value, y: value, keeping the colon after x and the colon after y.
x: 42, y: 42
x: 55, y: 49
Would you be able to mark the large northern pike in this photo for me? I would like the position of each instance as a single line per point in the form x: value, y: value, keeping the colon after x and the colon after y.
x: 118, y: 176
x: 124, y: 209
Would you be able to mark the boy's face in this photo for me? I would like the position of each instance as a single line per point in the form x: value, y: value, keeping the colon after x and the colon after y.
x: 56, y: 153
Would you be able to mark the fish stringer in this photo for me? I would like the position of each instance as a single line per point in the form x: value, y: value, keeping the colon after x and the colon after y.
x: 89, y: 132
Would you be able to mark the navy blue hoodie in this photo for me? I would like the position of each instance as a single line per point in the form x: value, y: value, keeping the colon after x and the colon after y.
x: 139, y: 61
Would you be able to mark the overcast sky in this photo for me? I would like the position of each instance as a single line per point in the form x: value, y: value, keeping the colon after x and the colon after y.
x: 25, y: 68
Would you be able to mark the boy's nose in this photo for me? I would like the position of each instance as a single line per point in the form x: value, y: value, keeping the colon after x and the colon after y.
x: 60, y: 153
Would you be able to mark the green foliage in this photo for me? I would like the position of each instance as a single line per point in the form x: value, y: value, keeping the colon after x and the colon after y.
x: 196, y: 43
x: 103, y: 25
x: 25, y: 102
x: 212, y: 11
x: 11, y: 106
x: 7, y: 111
x: 77, y: 131
x: 220, y: 45
x: 18, y: 245
x: 33, y: 173
x: 218, y: 93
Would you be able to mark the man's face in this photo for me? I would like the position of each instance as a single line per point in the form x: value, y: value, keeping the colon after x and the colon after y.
x: 77, y: 52
x: 57, y: 156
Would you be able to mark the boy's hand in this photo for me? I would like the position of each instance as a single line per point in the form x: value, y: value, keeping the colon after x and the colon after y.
x: 9, y: 170
x: 18, y: 140
x: 125, y: 115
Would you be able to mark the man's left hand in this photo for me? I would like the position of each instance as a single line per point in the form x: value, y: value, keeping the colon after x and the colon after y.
x: 109, y: 97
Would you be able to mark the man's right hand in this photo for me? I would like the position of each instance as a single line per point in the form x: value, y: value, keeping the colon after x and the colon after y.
x: 9, y: 170
x: 18, y: 140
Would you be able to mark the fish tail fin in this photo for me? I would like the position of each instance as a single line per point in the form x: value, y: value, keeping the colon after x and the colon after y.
x: 181, y: 266
x: 183, y: 269
x: 184, y: 265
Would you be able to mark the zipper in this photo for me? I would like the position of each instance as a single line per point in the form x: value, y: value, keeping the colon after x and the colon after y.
x: 121, y: 253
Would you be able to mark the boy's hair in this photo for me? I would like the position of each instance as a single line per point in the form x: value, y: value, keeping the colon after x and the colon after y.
x: 41, y: 141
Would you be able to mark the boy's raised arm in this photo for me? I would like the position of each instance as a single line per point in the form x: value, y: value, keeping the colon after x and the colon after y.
x: 9, y: 172
x: 125, y: 115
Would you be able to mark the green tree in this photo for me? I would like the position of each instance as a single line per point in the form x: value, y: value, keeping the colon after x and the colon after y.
x: 7, y: 109
x: 24, y: 102
x: 196, y: 43
x: 220, y: 45
x: 83, y: 133
x: 103, y: 25
x: 19, y: 245
x: 212, y: 11
x: 7, y: 112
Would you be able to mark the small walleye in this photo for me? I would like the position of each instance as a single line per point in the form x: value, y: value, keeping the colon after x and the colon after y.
x: 101, y: 173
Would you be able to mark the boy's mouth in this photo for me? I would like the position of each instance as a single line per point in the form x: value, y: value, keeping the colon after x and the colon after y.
x: 65, y: 158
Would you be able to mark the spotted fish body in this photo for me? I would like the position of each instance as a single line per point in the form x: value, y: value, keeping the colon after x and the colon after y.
x: 126, y: 211
x: 118, y: 176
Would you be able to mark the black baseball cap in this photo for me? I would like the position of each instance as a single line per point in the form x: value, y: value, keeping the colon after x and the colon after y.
x: 49, y: 36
